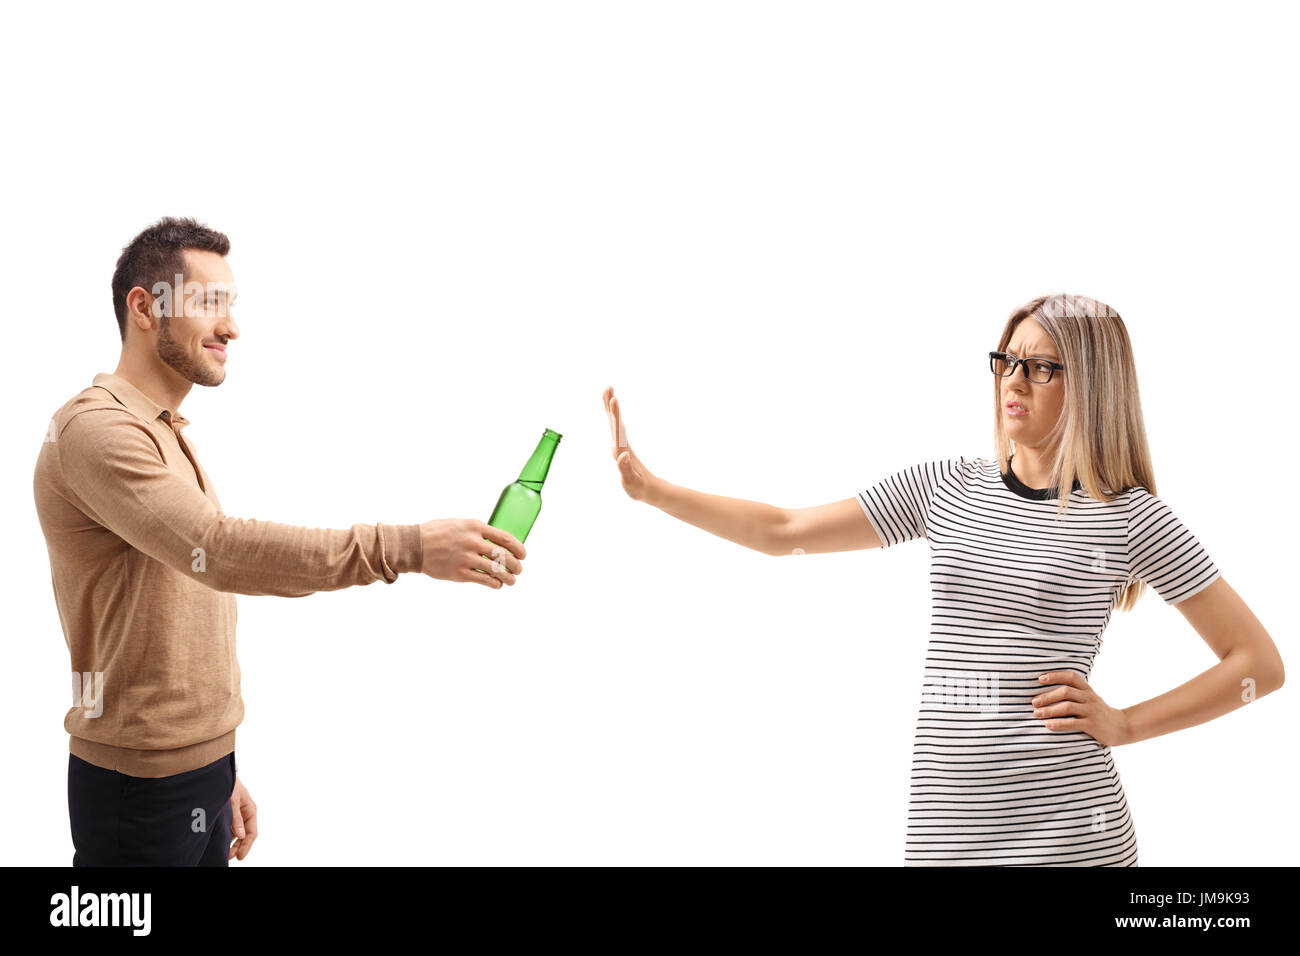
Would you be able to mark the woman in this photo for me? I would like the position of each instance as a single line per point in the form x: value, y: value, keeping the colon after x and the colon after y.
x: 1011, y: 760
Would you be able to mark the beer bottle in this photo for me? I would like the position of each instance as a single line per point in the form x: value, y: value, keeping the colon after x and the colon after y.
x: 521, y: 500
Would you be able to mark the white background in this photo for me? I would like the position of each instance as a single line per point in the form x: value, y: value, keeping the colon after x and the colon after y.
x: 787, y: 233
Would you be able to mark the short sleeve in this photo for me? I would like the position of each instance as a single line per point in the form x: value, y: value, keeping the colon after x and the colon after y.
x: 898, y: 507
x: 1163, y: 552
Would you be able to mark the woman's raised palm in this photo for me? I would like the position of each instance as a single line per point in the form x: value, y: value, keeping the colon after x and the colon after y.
x: 635, y: 475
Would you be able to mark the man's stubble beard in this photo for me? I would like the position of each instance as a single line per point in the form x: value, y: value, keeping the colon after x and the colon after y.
x: 174, y: 354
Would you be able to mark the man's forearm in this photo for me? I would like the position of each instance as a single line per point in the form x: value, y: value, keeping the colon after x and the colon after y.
x: 262, y: 557
x: 1234, y: 681
x: 749, y: 523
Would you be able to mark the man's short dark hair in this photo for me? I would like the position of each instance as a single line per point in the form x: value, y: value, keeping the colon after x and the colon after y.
x: 155, y: 256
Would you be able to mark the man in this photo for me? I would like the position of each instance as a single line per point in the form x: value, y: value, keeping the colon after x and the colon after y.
x: 145, y: 567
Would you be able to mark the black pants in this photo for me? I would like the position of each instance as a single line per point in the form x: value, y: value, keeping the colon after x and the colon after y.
x: 120, y: 820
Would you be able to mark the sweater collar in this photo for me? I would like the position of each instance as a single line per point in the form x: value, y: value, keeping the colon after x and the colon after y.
x: 136, y: 401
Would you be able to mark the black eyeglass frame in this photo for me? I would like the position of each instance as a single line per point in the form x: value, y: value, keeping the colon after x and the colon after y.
x: 1024, y: 366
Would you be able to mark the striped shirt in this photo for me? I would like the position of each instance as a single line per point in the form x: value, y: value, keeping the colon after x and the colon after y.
x: 1015, y: 594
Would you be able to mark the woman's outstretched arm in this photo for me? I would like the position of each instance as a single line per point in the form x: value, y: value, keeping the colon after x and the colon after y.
x: 839, y: 526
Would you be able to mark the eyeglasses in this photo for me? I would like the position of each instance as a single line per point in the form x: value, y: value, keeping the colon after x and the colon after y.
x: 1036, y: 370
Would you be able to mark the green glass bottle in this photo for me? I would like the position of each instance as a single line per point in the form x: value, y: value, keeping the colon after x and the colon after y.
x: 521, y: 500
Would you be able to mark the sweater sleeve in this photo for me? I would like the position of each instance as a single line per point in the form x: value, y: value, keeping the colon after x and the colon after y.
x: 898, y: 506
x: 111, y: 462
x: 1163, y: 552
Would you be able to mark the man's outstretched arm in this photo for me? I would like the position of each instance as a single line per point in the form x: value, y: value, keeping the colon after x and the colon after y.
x: 111, y: 462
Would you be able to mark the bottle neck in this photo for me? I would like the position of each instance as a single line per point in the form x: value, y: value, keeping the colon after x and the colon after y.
x: 534, y: 471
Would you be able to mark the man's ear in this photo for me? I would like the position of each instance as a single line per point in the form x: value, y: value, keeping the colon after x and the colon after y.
x: 140, y: 308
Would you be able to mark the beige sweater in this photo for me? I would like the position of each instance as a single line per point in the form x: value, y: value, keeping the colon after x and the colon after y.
x: 145, y: 568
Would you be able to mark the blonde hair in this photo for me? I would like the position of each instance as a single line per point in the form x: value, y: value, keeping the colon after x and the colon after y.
x: 1099, y: 438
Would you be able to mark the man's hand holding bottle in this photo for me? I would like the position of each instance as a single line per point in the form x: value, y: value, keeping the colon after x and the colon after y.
x: 453, y: 552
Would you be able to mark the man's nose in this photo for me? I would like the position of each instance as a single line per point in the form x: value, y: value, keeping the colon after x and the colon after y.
x: 227, y: 328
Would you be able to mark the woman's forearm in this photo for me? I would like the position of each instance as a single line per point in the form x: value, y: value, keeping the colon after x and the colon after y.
x: 750, y: 523
x: 1234, y: 681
